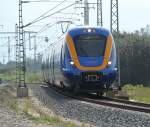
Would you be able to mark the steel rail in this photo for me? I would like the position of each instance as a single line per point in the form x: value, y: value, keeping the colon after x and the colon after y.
x: 121, y: 105
x: 128, y: 102
x: 107, y: 101
x: 93, y: 96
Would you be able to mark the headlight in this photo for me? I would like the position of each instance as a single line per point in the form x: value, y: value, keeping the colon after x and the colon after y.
x: 115, y: 69
x: 71, y: 62
x: 89, y: 30
x: 109, y: 62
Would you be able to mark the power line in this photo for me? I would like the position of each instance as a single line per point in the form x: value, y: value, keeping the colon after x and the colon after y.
x: 61, y: 37
x: 34, y: 21
x: 46, y: 27
x: 6, y: 43
x: 44, y: 1
x: 49, y: 10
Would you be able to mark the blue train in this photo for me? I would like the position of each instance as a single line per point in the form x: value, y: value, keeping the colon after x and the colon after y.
x: 84, y: 60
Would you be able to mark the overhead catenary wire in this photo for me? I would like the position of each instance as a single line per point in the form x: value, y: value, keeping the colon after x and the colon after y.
x: 44, y: 17
x: 48, y: 11
x: 5, y: 44
x: 39, y: 1
x: 60, y: 37
x: 53, y: 44
x: 47, y: 17
x: 47, y: 26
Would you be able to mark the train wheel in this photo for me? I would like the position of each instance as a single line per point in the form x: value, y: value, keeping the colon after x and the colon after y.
x: 75, y: 89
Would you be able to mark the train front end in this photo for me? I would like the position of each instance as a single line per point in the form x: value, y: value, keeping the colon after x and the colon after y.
x: 90, y: 59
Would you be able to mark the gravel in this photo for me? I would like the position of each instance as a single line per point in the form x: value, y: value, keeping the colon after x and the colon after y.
x: 10, y: 117
x: 100, y: 116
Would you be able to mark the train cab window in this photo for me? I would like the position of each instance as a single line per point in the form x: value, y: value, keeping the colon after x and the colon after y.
x: 90, y: 45
x: 113, y: 51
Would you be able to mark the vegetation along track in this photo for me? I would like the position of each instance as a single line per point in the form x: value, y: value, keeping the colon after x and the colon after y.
x: 106, y: 101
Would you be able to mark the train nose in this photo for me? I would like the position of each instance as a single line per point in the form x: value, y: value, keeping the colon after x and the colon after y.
x: 90, y: 61
x: 91, y: 76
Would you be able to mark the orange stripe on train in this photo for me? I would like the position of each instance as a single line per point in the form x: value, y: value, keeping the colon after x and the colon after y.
x: 75, y: 59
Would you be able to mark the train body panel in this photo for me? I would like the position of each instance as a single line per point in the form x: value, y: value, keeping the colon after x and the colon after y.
x: 86, y: 57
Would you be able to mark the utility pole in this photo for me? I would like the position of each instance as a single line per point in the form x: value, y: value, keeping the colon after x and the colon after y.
x: 114, y: 27
x: 86, y: 12
x: 86, y: 8
x: 99, y: 13
x: 114, y: 24
x: 8, y: 49
x: 17, y: 55
x: 22, y: 90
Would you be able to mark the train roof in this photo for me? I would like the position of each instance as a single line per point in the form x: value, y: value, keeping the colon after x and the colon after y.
x: 81, y: 28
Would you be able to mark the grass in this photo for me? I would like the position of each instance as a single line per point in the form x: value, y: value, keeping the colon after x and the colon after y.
x: 33, y: 77
x: 43, y: 118
x: 30, y: 77
x: 54, y: 121
x: 138, y: 93
x: 9, y: 100
x: 9, y: 76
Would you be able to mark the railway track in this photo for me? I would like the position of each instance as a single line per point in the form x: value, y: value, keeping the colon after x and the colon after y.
x: 106, y: 101
x: 112, y: 102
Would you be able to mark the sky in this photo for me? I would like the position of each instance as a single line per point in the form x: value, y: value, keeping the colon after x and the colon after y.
x: 133, y: 15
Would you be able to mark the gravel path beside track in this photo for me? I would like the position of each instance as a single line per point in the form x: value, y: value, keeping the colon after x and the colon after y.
x: 9, y: 118
x: 100, y: 116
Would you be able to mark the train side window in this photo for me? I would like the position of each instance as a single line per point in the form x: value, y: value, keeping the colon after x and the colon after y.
x: 53, y: 60
x: 47, y: 63
x: 66, y: 52
x: 61, y: 57
x: 42, y: 67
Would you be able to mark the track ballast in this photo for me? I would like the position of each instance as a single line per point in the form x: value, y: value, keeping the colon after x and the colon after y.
x: 106, y: 101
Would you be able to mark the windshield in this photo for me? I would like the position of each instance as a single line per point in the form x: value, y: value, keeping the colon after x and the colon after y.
x: 90, y: 45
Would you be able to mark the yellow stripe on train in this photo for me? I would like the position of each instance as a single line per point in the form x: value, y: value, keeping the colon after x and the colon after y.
x: 75, y: 59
